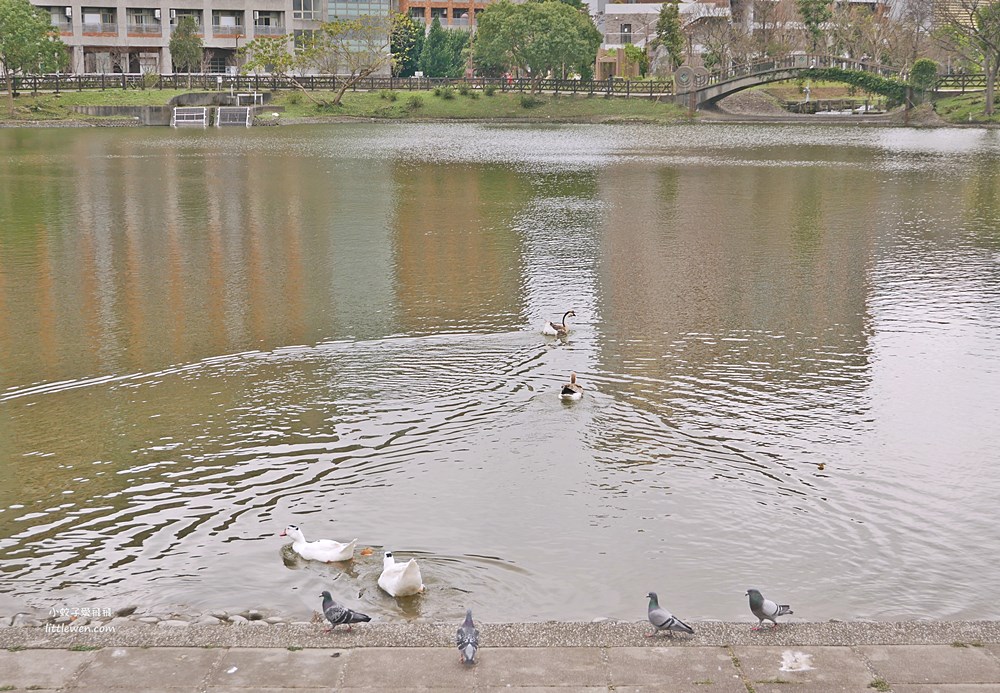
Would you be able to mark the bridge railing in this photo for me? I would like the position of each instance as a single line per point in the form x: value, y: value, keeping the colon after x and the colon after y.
x: 793, y: 62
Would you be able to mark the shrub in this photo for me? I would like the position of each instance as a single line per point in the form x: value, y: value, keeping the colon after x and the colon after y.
x: 923, y: 75
x: 463, y: 89
x: 490, y: 89
x: 530, y: 101
x: 446, y: 93
x: 388, y: 94
x: 473, y: 94
x: 414, y: 102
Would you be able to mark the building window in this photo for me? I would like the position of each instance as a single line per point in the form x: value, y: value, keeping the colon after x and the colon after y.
x: 305, y: 9
x: 626, y: 33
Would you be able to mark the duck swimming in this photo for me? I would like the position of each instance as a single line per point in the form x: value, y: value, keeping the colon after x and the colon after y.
x: 400, y: 579
x: 558, y: 329
x: 571, y: 390
x: 325, y: 550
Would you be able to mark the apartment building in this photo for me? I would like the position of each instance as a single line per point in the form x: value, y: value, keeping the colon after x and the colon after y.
x: 133, y: 36
x: 453, y: 14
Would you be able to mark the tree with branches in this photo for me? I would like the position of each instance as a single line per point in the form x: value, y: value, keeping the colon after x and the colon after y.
x: 406, y: 43
x: 669, y: 34
x: 972, y: 29
x: 353, y: 49
x: 186, y: 47
x: 815, y: 14
x: 538, y: 38
x: 28, y: 43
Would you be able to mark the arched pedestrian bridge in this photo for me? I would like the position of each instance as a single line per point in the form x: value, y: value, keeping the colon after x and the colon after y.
x: 696, y: 87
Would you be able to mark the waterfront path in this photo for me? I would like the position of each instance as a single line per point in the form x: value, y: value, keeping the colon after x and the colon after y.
x: 906, y: 657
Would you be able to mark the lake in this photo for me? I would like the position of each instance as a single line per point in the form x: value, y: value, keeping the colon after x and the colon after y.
x: 788, y: 336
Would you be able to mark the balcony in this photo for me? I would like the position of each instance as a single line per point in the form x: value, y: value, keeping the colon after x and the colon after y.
x: 145, y: 30
x: 198, y: 30
x: 64, y: 28
x: 227, y: 31
x: 269, y: 30
x: 101, y: 29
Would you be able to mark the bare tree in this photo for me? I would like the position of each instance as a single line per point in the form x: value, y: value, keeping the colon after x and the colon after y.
x: 119, y: 57
x: 717, y: 36
x: 971, y: 28
x: 775, y: 26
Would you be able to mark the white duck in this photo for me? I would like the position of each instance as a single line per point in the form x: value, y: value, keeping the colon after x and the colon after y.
x: 325, y: 550
x: 400, y: 579
x: 558, y: 329
x: 571, y: 390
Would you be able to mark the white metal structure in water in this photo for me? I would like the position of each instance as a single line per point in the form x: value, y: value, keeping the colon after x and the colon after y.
x: 228, y: 116
x: 254, y: 99
x: 189, y: 116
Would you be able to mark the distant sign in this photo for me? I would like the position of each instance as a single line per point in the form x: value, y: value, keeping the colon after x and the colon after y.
x: 418, y: 73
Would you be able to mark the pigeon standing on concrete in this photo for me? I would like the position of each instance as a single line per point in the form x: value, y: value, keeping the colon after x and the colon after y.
x: 765, y: 609
x: 467, y: 639
x: 337, y: 614
x: 664, y: 620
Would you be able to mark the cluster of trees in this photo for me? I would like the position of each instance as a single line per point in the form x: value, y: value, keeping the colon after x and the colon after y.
x: 536, y: 38
x: 29, y: 44
x: 441, y: 53
x: 539, y: 38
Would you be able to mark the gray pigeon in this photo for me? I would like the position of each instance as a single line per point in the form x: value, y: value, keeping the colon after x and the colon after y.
x: 664, y: 620
x: 337, y: 614
x: 765, y: 609
x: 467, y: 639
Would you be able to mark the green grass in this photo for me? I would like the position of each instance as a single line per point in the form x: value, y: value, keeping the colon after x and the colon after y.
x: 475, y: 105
x: 880, y: 684
x: 965, y: 108
x: 83, y: 648
x: 294, y: 648
x: 49, y: 106
x: 8, y: 688
x: 500, y: 106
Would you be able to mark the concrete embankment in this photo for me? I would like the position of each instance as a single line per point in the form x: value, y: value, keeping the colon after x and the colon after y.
x: 905, y: 657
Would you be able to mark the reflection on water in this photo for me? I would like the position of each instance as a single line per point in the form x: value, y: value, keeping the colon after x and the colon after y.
x: 788, y: 336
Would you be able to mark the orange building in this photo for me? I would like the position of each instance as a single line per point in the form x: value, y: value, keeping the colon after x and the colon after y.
x: 458, y: 14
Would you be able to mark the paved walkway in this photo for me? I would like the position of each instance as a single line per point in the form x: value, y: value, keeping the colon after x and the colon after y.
x: 350, y: 662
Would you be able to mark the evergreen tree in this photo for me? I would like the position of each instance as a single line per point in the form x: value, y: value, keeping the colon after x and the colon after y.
x: 669, y: 34
x: 815, y: 13
x: 434, y: 58
x: 186, y: 46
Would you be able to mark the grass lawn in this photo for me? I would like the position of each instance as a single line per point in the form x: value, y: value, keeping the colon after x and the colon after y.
x: 964, y: 108
x: 401, y: 105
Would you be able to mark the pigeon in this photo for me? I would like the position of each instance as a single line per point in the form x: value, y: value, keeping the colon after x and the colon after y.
x: 664, y: 620
x: 765, y: 609
x: 337, y: 614
x: 467, y: 639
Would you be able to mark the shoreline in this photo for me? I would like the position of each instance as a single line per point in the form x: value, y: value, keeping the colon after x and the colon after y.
x: 920, y: 118
x: 604, y: 633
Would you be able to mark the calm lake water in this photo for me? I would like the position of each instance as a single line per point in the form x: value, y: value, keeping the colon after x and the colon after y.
x: 789, y: 337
